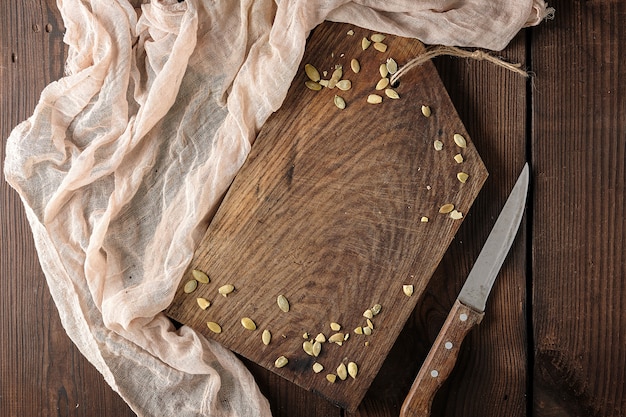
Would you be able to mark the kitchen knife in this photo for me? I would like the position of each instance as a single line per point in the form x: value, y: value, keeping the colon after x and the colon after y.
x: 469, y: 307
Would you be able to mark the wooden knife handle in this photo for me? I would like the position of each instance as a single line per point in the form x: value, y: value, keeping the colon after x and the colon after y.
x: 440, y: 360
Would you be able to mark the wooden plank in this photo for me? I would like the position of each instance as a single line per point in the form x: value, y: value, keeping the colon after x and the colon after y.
x: 327, y: 211
x: 42, y: 372
x: 579, y: 262
x: 490, y: 378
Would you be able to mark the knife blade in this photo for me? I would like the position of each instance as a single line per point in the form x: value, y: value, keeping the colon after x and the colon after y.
x: 468, y: 309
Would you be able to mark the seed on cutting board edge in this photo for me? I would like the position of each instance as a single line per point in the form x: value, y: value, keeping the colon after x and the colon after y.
x: 456, y: 215
x: 203, y: 303
x: 200, y: 276
x: 462, y: 176
x: 458, y: 158
x: 283, y: 303
x: 281, y: 361
x: 446, y: 208
x: 266, y: 337
x: 226, y: 289
x: 408, y: 290
x: 355, y: 65
x: 190, y: 286
x: 460, y: 140
x: 214, y: 327
x: 312, y: 72
x: 426, y: 111
x: 248, y: 323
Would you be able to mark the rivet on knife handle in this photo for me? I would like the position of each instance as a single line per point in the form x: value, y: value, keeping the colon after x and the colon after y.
x: 440, y: 361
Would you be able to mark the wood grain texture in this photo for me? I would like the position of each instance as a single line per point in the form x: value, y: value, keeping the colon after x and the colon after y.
x: 579, y: 261
x: 41, y: 372
x: 327, y: 211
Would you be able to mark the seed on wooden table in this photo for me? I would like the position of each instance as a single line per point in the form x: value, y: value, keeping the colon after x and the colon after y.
x: 283, y: 303
x: 226, y: 289
x: 308, y: 347
x: 323, y: 83
x: 281, y: 361
x: 446, y: 208
x: 305, y: 335
x: 344, y: 85
x: 334, y: 79
x: 462, y: 176
x: 368, y: 314
x: 312, y: 73
x: 370, y: 324
x: 331, y: 378
x: 408, y: 290
x: 214, y: 327
x: 320, y: 338
x: 367, y: 331
x: 382, y: 83
x: 317, y: 349
x: 377, y: 37
x: 339, y: 102
x: 266, y: 337
x: 392, y: 66
x: 346, y: 336
x: 335, y: 326
x: 456, y: 215
x: 342, y: 372
x: 358, y: 330
x: 318, y: 367
x: 200, y: 276
x: 336, y: 338
x: 365, y: 43
x: 376, y: 308
x: 203, y: 303
x: 353, y: 369
x: 391, y: 93
x: 426, y: 111
x: 350, y: 32
x: 312, y: 85
x: 190, y: 286
x: 460, y: 140
x: 374, y: 99
x: 248, y: 323
x: 424, y: 219
x: 383, y: 70
x: 458, y: 158
x: 380, y: 47
x: 355, y: 65
x: 438, y: 145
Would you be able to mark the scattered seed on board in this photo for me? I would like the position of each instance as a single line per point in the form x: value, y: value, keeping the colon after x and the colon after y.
x: 248, y: 323
x: 456, y: 215
x: 358, y: 330
x: 190, y: 286
x: 367, y: 331
x: 383, y: 70
x: 460, y: 140
x: 376, y: 308
x: 226, y: 289
x: 312, y: 85
x: 353, y: 369
x: 380, y: 47
x: 377, y: 37
x: 203, y: 303
x: 283, y: 303
x: 424, y: 219
x: 318, y: 367
x: 382, y: 84
x: 392, y: 66
x: 312, y: 72
x: 438, y: 145
x: 344, y: 85
x: 374, y: 99
x: 391, y: 93
x: 408, y: 290
x: 320, y: 338
x: 307, y: 347
x: 337, y: 74
x: 365, y: 43
x: 350, y: 32
x: 342, y: 372
x: 214, y: 327
x: 335, y: 326
x: 339, y: 102
x: 281, y: 361
x: 305, y: 335
x: 368, y: 314
x: 446, y: 208
x: 317, y: 349
x: 336, y: 338
x: 354, y: 64
x: 458, y: 158
x: 200, y: 276
x: 370, y: 324
x: 426, y: 111
x: 462, y: 176
x: 266, y: 337
x: 331, y: 378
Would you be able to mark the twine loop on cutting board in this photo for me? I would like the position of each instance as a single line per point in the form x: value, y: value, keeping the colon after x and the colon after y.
x: 477, y: 55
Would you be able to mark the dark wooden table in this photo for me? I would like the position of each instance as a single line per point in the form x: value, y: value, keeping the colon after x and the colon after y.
x: 553, y: 342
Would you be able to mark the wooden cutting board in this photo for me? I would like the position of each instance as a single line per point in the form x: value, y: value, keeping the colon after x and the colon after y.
x: 330, y: 211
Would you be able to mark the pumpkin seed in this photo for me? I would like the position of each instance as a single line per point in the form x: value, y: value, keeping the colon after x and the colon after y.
x: 382, y: 83
x: 424, y: 219
x: 376, y: 308
x: 283, y: 303
x: 365, y: 43
x: 367, y: 331
x: 383, y: 70
x: 312, y: 73
x: 190, y: 286
x: 339, y: 102
x: 214, y: 327
x: 323, y: 83
x: 370, y: 324
x: 266, y: 337
x: 358, y: 330
x: 355, y: 65
x: 438, y: 145
x: 334, y: 79
x: 281, y: 361
x: 377, y: 37
x: 312, y: 85
x: 318, y: 367
x: 331, y: 378
x: 350, y: 32
x: 462, y: 176
x: 346, y: 336
x: 203, y: 303
x: 380, y: 47
x: 408, y: 290
x: 226, y: 289
x: 460, y: 140
x: 456, y: 215
x: 305, y: 335
x: 317, y: 349
x: 392, y: 66
x: 248, y: 323
x: 344, y: 85
x: 446, y: 208
x: 342, y: 372
x: 368, y: 314
x: 353, y: 369
x: 391, y: 93
x: 335, y: 326
x: 308, y: 347
x: 458, y: 158
x: 320, y: 338
x: 374, y: 99
x: 426, y: 111
x: 200, y: 276
x: 336, y: 338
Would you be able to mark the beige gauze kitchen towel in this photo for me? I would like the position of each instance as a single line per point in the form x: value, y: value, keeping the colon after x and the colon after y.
x: 125, y: 159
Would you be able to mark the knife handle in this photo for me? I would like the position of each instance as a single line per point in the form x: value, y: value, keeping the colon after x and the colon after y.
x: 440, y: 360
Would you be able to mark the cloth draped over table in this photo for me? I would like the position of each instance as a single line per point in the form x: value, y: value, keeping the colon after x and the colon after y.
x: 125, y: 159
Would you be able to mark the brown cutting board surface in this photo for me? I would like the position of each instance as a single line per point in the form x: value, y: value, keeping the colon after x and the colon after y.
x: 327, y: 211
